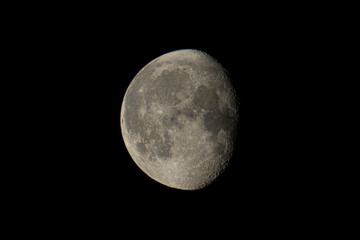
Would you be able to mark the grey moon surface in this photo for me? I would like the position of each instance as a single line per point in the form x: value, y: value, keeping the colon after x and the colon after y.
x: 179, y: 118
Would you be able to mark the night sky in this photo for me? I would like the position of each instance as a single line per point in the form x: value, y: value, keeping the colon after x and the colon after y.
x: 88, y: 61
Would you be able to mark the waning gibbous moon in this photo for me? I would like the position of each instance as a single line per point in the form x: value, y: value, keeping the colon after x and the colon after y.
x: 179, y: 118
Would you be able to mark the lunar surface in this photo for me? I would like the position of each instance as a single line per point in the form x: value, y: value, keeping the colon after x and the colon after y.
x: 179, y: 118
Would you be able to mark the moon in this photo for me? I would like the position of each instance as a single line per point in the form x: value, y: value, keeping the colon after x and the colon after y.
x: 179, y: 118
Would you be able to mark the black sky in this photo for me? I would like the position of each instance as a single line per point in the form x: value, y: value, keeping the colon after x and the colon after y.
x: 88, y: 60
